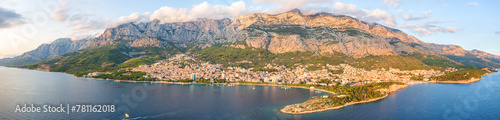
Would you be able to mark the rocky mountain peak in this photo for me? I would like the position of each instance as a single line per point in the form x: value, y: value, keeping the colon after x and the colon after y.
x: 47, y: 51
x: 155, y: 21
x: 295, y: 10
x: 61, y: 41
x: 321, y: 33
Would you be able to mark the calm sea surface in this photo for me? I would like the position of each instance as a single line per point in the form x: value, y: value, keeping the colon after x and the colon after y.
x: 479, y: 100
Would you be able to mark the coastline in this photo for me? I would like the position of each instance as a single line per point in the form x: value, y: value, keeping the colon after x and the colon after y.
x: 134, y: 81
x: 469, y: 81
x: 184, y: 83
x: 282, y: 110
x: 338, y: 107
x: 472, y: 80
x: 334, y: 108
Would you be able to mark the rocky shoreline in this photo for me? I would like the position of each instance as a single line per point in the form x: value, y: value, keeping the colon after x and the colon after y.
x: 472, y: 80
x: 469, y: 81
x: 392, y: 88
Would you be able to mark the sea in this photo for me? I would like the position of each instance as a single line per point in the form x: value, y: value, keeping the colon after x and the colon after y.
x: 73, y: 97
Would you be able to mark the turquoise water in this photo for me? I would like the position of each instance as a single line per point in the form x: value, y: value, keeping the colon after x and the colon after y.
x: 479, y: 100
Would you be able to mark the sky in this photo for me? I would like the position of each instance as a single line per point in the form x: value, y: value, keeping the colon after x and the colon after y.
x: 26, y: 24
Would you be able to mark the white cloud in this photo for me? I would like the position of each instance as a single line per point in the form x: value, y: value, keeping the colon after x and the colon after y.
x: 313, y: 10
x: 84, y: 35
x: 392, y: 2
x: 86, y: 25
x: 134, y: 17
x: 84, y: 22
x: 83, y: 25
x: 444, y: 29
x: 62, y: 13
x: 380, y: 16
x: 348, y: 9
x: 287, y: 5
x: 437, y: 21
x: 206, y: 10
x: 423, y: 15
x: 376, y: 15
x: 425, y: 12
x: 475, y: 4
x: 497, y: 32
x: 429, y: 28
x: 203, y: 10
x: 10, y: 18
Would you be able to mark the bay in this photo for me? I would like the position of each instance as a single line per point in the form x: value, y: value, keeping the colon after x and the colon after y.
x: 171, y: 101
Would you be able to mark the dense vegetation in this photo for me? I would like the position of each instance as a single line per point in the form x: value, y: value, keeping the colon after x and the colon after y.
x: 355, y: 93
x: 281, y: 29
x: 112, y: 58
x: 474, y: 61
x: 438, y: 61
x: 339, y: 71
x: 135, y: 62
x: 465, y: 74
x: 206, y: 81
x: 126, y: 75
x: 392, y: 61
x: 324, y: 81
x: 109, y: 58
x: 265, y: 69
x: 361, y: 92
x: 79, y: 62
x: 356, y: 32
x: 258, y: 57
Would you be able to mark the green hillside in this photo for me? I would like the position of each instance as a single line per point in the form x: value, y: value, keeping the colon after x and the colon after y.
x: 110, y: 58
x: 257, y: 57
x: 400, y: 62
x: 461, y: 75
x: 474, y: 61
x: 135, y: 62
x: 438, y: 61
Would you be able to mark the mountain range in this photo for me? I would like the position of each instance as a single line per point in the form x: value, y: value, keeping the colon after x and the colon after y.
x: 46, y: 51
x: 321, y: 34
